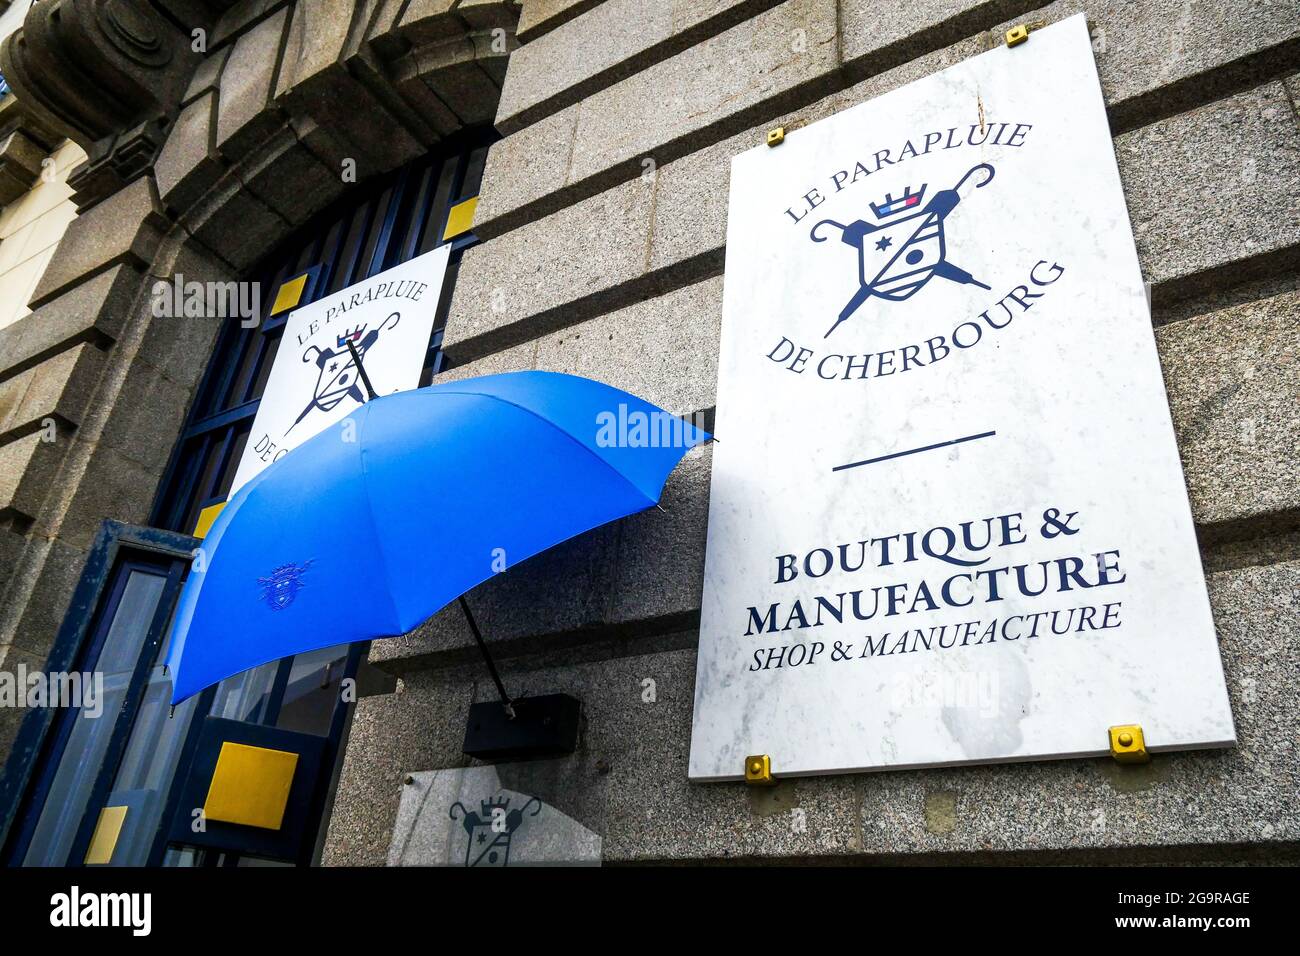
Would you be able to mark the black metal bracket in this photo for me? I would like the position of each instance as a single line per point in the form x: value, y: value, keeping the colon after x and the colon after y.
x: 544, y: 726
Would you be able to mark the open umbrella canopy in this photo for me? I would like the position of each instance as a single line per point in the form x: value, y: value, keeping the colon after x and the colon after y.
x: 372, y: 526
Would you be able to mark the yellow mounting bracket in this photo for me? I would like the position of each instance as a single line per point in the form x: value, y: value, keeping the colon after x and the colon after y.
x: 1018, y: 34
x: 758, y: 771
x: 775, y: 137
x: 1127, y: 745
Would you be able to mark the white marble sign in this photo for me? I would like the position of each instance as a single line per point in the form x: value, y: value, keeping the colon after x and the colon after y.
x: 314, y: 383
x: 948, y: 520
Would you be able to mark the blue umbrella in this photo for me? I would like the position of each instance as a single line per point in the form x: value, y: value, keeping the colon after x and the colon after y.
x: 372, y: 526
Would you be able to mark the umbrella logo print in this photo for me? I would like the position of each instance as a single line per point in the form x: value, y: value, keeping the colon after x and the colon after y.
x: 280, y: 589
x: 337, y: 376
x: 905, y: 248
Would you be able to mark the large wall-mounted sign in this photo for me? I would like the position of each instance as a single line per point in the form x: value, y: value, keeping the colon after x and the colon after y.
x: 314, y: 382
x: 948, y: 520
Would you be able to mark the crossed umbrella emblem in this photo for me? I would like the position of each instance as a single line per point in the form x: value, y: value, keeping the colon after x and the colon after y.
x: 338, y: 378
x: 913, y: 254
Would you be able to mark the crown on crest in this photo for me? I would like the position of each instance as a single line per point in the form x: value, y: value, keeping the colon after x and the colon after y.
x: 890, y: 205
x: 353, y: 334
x: 495, y: 803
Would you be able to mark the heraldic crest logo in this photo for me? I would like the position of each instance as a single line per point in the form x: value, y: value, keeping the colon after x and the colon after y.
x: 337, y: 376
x: 905, y: 248
x: 489, y: 833
x: 280, y: 589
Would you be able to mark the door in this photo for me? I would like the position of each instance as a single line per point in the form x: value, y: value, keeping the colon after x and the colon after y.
x: 68, y: 760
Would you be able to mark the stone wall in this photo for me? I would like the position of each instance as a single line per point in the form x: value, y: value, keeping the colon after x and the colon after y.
x: 604, y: 210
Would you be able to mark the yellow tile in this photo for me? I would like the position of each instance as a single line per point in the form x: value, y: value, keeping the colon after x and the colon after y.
x: 250, y: 786
x: 289, y: 294
x: 460, y: 218
x: 206, y: 517
x: 107, y: 830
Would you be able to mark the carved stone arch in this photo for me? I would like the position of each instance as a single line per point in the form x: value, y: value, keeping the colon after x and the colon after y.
x: 350, y: 87
x: 374, y: 82
x: 103, y: 73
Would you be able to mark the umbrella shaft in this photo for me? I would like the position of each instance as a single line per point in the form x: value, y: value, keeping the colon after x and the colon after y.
x: 361, y: 370
x: 487, y: 657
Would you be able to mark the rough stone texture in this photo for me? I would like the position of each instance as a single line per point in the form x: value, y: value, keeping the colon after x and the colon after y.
x: 691, y: 193
x: 322, y: 30
x: 20, y: 165
x: 187, y: 164
x: 660, y: 572
x: 652, y: 113
x: 404, y: 731
x: 177, y: 345
x: 11, y: 550
x: 875, y: 39
x: 284, y: 171
x: 550, y: 263
x: 58, y: 388
x: 611, y: 41
x: 90, y: 312
x: 52, y: 570
x: 246, y: 84
x: 125, y: 228
x: 109, y: 485
x: 645, y: 809
x: 238, y: 16
x: 540, y: 16
x: 11, y: 718
x: 208, y: 74
x: 27, y: 466
x: 1159, y: 57
x: 1233, y: 379
x: 146, y: 417
x: 1155, y: 58
x: 1254, y: 164
x: 232, y: 223
x: 663, y: 349
x: 524, y: 168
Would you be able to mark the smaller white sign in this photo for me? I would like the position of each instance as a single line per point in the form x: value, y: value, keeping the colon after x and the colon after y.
x: 314, y: 382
